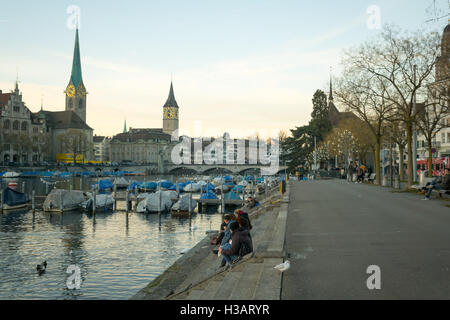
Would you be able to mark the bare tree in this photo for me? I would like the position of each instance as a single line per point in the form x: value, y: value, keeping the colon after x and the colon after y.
x: 75, y: 142
x: 366, y: 96
x: 432, y: 117
x: 404, y: 63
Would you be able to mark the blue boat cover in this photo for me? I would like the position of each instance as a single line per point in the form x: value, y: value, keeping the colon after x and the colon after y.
x: 103, y: 185
x: 174, y: 187
x: 249, y: 178
x: 166, y: 184
x: 148, y: 185
x: 209, y: 195
x: 208, y: 187
x: 238, y: 189
x: 227, y: 179
x: 14, y: 198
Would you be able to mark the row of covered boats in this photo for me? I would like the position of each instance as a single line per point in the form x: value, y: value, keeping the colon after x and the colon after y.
x: 155, y: 196
x: 67, y: 174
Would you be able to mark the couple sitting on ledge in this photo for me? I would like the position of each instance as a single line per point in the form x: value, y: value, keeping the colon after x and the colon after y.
x: 234, y: 238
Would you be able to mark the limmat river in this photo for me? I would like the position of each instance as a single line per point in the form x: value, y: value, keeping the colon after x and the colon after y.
x: 117, y: 253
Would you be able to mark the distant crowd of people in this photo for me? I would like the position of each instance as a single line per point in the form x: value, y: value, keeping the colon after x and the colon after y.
x: 360, y: 172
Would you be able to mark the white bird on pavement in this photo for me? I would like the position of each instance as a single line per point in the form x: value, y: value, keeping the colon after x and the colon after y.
x: 283, y: 266
x: 185, y: 251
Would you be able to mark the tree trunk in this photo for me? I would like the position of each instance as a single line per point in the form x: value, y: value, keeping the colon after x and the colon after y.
x: 400, y: 163
x: 377, y: 160
x: 410, y: 154
x: 430, y: 158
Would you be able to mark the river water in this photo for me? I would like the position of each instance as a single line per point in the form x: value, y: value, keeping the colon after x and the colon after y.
x: 117, y: 253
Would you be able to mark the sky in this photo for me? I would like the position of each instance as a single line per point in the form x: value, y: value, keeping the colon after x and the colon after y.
x: 242, y: 67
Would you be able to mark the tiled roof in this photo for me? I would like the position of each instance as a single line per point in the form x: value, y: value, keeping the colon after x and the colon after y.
x: 65, y: 120
x: 4, y: 98
x: 141, y: 134
x: 98, y: 138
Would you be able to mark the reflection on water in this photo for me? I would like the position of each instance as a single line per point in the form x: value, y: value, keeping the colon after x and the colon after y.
x: 118, y: 253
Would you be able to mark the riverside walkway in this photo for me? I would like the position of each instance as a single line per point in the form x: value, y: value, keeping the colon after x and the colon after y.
x: 336, y: 230
x: 331, y: 232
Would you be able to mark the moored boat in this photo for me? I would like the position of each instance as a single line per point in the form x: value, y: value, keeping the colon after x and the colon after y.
x: 60, y: 200
x: 14, y: 200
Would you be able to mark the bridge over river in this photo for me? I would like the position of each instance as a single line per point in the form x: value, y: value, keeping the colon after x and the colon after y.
x: 167, y: 168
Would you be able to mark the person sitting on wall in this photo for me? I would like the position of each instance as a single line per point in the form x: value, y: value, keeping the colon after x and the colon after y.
x: 241, y: 244
x: 444, y: 185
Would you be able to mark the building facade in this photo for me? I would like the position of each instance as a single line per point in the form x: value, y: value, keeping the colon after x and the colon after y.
x: 23, y: 135
x: 29, y: 138
x: 441, y: 141
x: 101, y: 148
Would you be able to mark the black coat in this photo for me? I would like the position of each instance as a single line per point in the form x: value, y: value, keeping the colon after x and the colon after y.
x: 241, y: 243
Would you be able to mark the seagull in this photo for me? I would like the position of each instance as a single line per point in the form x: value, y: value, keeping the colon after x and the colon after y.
x: 185, y: 250
x: 283, y: 266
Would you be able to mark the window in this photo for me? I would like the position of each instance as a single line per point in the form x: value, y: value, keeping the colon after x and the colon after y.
x: 80, y: 104
x: 24, y: 126
x: 6, y: 124
x: 16, y: 108
x: 35, y: 130
x: 70, y: 104
x: 16, y: 125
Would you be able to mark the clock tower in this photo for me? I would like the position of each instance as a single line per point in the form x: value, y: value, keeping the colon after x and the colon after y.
x: 75, y: 91
x: 170, y: 113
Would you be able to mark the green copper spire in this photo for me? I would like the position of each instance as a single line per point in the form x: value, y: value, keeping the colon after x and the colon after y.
x: 76, y: 76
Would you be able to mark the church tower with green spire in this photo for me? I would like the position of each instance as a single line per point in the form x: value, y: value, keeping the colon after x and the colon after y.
x: 76, y: 91
x: 170, y: 113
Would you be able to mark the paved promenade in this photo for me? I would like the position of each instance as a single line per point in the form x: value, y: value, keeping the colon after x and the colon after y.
x: 331, y: 232
x: 336, y: 230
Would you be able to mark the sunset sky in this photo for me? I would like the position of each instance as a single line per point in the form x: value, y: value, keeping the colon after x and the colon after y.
x: 237, y: 66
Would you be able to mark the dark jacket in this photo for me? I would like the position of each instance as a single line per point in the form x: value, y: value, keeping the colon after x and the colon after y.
x: 446, y: 182
x: 241, y: 243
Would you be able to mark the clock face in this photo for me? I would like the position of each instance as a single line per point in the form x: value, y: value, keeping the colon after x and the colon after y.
x: 170, y: 113
x: 81, y: 91
x: 70, y: 90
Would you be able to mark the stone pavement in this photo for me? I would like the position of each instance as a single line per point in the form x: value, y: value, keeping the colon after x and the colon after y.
x: 335, y: 231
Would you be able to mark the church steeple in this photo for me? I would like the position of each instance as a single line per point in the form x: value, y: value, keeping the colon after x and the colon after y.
x: 75, y: 91
x: 125, y: 126
x: 170, y: 113
x: 171, y: 102
x: 76, y: 76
